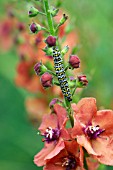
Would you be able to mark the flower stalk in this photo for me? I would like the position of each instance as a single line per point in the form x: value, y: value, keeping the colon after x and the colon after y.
x: 49, y: 17
x: 52, y: 32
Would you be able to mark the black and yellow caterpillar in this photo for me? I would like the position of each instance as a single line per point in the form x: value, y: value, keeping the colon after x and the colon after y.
x: 60, y: 72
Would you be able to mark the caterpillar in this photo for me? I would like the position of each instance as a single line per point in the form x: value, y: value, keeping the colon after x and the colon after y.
x: 60, y: 72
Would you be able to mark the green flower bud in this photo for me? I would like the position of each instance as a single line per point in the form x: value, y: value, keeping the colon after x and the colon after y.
x: 65, y: 50
x: 35, y: 28
x: 54, y: 11
x: 63, y: 19
x: 33, y: 12
x: 48, y: 51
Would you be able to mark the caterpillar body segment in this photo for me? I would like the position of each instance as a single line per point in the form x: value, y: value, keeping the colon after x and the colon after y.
x: 60, y: 72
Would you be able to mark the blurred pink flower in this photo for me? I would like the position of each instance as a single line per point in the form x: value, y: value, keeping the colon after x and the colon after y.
x: 27, y: 78
x: 36, y: 108
x: 7, y: 28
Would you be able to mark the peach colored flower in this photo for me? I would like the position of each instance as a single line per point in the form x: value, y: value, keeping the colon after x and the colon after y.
x: 36, y: 108
x: 54, y: 132
x: 32, y: 46
x: 26, y: 77
x: 7, y: 27
x: 70, y: 158
x: 94, y: 129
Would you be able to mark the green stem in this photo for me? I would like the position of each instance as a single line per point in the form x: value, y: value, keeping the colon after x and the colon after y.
x: 56, y: 29
x: 66, y: 67
x: 45, y: 29
x: 49, y: 17
x: 41, y: 13
x: 49, y: 71
x: 56, y: 83
x: 74, y: 91
x: 53, y: 33
x: 68, y: 105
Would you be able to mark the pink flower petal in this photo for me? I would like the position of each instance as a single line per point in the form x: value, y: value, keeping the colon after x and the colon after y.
x: 104, y: 119
x: 83, y: 141
x: 51, y: 166
x: 86, y: 110
x: 77, y: 129
x: 104, y: 147
x: 65, y: 134
x: 60, y: 146
x: 39, y: 158
x: 61, y: 114
x: 72, y: 147
x: 48, y: 121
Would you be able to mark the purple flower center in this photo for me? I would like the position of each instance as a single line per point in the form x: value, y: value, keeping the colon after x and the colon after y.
x: 51, y: 134
x: 69, y: 162
x: 93, y: 131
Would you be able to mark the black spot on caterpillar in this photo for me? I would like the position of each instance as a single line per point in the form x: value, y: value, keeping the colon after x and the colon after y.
x: 60, y: 72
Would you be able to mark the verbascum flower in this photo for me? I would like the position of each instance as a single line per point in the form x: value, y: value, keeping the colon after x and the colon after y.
x: 93, y: 129
x: 69, y: 158
x: 53, y: 130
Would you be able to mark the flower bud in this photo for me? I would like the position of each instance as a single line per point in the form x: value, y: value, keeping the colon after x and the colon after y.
x: 33, y: 12
x: 51, y: 41
x: 72, y: 82
x: 46, y: 80
x: 35, y: 28
x: 48, y: 51
x: 81, y: 81
x: 74, y: 61
x: 65, y: 50
x: 53, y: 102
x: 39, y: 68
x: 54, y: 12
x: 63, y: 19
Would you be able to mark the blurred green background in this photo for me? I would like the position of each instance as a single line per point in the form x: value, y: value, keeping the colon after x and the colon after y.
x: 93, y: 21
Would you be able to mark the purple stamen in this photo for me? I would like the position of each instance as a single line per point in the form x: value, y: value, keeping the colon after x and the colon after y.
x: 51, y: 134
x: 69, y: 162
x: 93, y: 131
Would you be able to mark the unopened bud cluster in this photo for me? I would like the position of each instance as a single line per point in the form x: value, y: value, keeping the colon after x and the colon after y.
x: 47, y: 78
